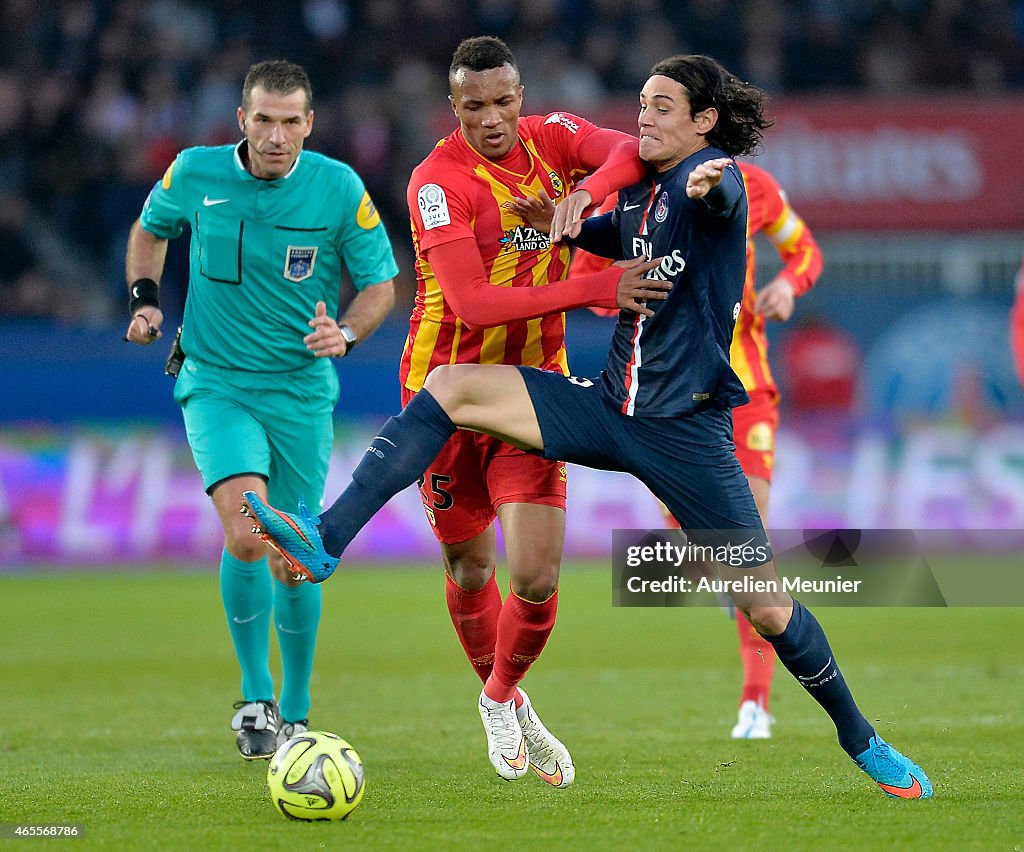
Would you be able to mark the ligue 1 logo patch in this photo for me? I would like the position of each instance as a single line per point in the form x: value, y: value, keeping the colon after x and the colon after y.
x: 433, y: 206
x: 661, y: 211
x: 299, y: 262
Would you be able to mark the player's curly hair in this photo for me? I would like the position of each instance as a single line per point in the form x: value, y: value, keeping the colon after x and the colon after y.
x: 278, y: 76
x: 740, y: 105
x: 481, y: 53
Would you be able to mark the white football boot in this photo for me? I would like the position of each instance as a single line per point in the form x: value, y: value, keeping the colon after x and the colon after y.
x: 506, y: 745
x: 548, y: 757
x: 754, y: 723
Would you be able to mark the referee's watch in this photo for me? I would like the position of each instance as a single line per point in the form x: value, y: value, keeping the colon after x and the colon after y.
x: 351, y: 338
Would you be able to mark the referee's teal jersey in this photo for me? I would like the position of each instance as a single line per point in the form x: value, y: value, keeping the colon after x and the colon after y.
x: 264, y: 252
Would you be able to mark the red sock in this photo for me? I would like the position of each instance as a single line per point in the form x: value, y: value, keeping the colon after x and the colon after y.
x: 758, y: 657
x: 523, y: 630
x: 475, y: 616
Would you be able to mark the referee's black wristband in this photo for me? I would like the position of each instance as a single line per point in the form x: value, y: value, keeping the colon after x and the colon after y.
x: 143, y: 293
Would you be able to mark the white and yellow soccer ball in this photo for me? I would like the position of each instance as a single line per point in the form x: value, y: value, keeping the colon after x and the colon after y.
x: 316, y: 776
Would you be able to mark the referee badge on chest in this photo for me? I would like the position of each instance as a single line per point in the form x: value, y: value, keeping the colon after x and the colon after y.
x: 299, y: 262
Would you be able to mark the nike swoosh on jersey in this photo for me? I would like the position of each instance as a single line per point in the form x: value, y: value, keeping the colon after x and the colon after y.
x: 626, y: 207
x: 209, y: 202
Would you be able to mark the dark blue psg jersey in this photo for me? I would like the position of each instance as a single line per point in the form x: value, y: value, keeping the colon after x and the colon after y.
x: 678, y: 360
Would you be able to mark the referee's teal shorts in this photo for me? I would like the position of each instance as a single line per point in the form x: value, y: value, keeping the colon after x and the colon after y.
x: 275, y: 425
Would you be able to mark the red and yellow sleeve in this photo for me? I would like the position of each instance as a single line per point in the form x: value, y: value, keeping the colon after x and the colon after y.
x: 585, y: 263
x: 481, y: 304
x: 614, y: 158
x: 787, y: 231
x: 1017, y: 326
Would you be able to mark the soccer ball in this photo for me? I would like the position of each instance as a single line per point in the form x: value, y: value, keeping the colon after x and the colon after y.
x: 316, y: 776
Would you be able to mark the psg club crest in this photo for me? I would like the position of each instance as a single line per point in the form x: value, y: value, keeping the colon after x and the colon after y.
x: 299, y: 262
x: 661, y: 211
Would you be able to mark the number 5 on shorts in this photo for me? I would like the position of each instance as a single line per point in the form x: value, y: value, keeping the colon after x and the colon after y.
x: 439, y: 498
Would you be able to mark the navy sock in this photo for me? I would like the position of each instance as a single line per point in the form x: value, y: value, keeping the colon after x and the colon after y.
x: 396, y: 457
x: 804, y: 651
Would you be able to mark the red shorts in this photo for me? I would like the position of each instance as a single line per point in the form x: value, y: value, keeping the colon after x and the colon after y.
x: 474, y: 474
x: 753, y: 428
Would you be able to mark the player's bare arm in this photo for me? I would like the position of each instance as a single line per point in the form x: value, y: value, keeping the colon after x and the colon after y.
x: 365, y: 313
x: 776, y: 300
x: 370, y: 308
x: 144, y: 260
x: 706, y: 177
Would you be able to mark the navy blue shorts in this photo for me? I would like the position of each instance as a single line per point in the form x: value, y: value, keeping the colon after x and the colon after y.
x: 688, y: 462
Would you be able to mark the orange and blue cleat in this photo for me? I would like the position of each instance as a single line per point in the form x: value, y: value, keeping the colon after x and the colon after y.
x: 295, y: 537
x: 896, y: 775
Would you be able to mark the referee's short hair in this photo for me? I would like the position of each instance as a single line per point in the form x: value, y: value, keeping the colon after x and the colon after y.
x: 278, y: 76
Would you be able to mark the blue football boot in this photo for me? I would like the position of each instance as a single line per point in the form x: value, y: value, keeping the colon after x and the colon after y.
x: 896, y: 775
x: 295, y: 537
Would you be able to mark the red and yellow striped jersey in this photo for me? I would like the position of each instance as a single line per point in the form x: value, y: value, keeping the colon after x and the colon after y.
x: 457, y: 193
x: 769, y: 211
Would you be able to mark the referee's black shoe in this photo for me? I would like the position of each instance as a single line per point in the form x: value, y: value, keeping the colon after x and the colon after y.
x: 257, y: 723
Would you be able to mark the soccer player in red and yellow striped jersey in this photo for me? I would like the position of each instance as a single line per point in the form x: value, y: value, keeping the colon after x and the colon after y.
x: 491, y: 290
x: 755, y: 424
x: 770, y: 213
x: 1017, y: 326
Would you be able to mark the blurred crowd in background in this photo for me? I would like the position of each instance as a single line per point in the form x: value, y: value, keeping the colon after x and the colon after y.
x: 99, y: 95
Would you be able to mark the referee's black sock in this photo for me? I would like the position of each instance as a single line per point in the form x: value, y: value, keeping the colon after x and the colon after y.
x: 804, y: 651
x: 396, y: 457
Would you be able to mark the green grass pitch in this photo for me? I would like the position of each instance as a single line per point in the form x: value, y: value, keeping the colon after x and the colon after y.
x: 117, y: 692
